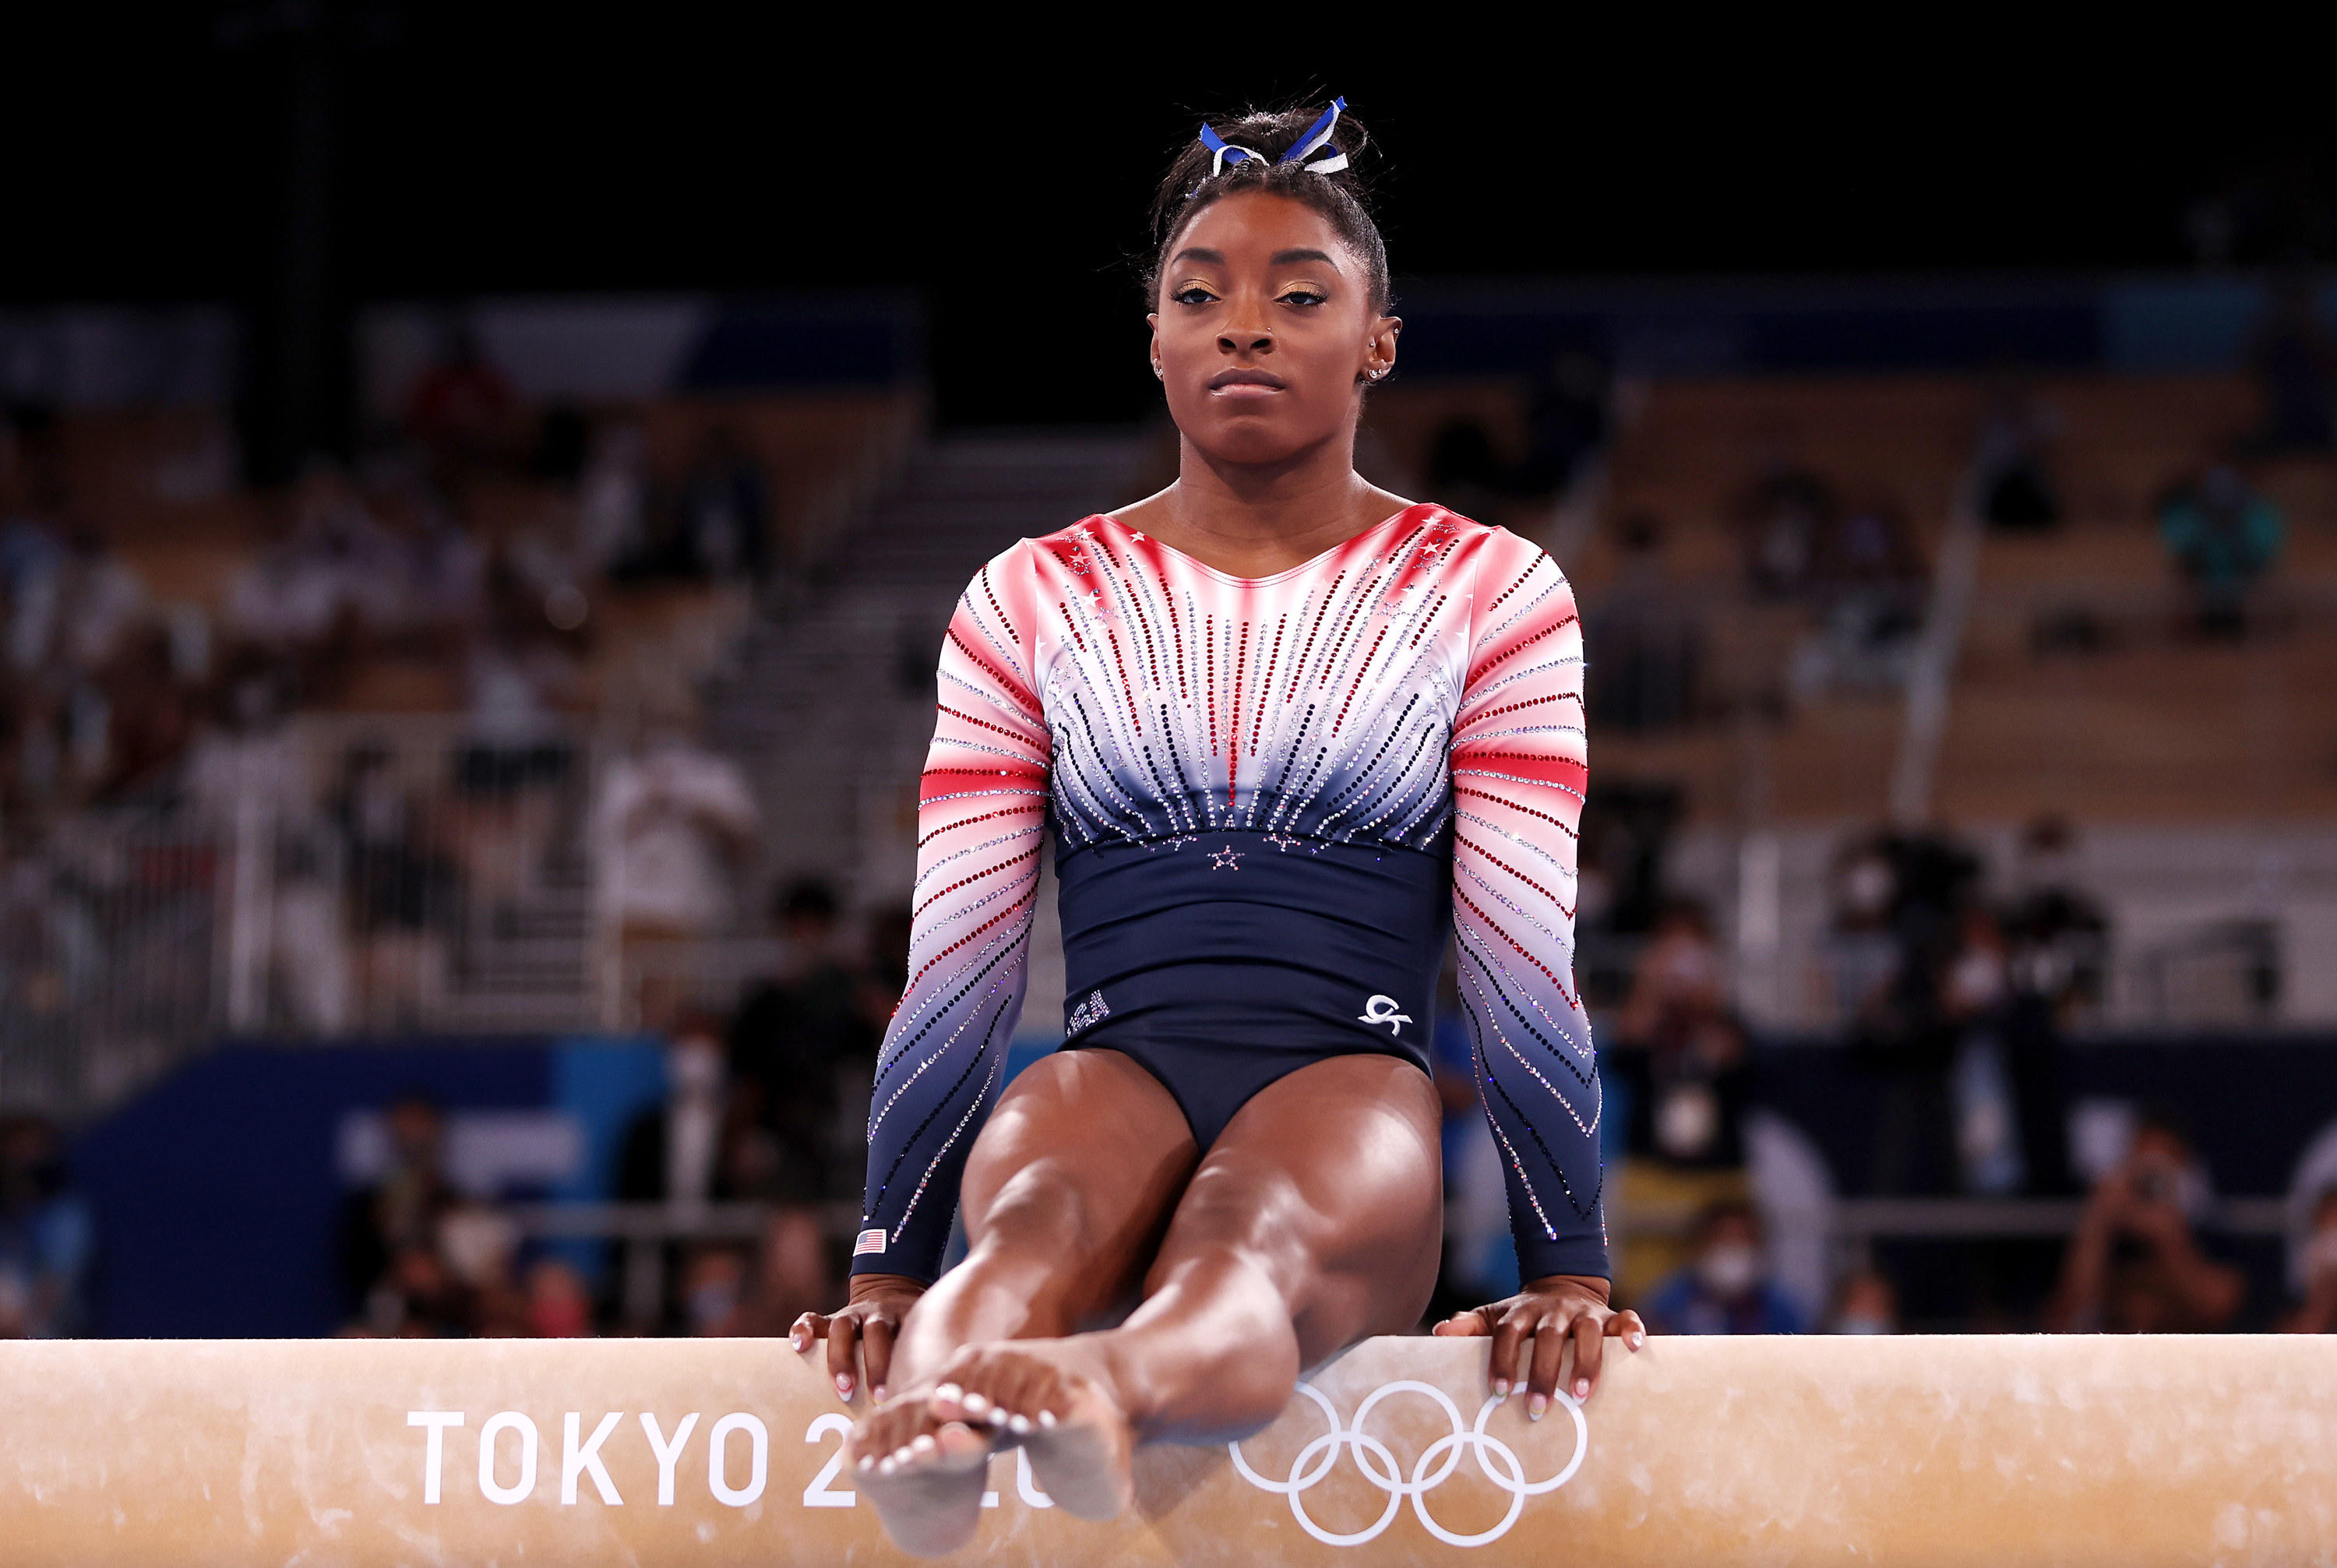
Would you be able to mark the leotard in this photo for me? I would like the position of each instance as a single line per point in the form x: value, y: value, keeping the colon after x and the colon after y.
x: 1271, y: 800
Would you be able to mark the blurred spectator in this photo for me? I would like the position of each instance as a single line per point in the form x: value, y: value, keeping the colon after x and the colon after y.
x: 389, y: 1232
x: 1865, y: 1303
x: 1726, y: 1289
x: 2057, y: 941
x: 47, y: 1236
x: 2318, y: 1313
x: 2223, y: 535
x: 672, y: 1153
x: 714, y: 1293
x: 666, y: 825
x: 2293, y: 359
x: 2135, y: 1265
x: 1644, y: 642
x: 613, y: 501
x: 479, y: 1246
x: 1567, y: 419
x: 724, y: 527
x: 559, y: 1305
x: 1867, y: 579
x: 463, y: 411
x: 400, y: 896
x: 2013, y: 480
x: 1784, y: 519
x: 1911, y: 892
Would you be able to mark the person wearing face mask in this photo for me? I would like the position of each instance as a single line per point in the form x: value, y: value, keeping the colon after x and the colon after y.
x: 2319, y: 1313
x: 1866, y: 1303
x: 2135, y: 1265
x: 1726, y: 1287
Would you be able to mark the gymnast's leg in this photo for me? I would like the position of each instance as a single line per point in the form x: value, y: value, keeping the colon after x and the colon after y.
x: 1066, y: 1192
x: 1312, y: 1222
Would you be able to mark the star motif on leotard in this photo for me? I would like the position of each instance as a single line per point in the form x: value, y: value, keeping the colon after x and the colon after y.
x: 1284, y: 842
x: 1226, y: 859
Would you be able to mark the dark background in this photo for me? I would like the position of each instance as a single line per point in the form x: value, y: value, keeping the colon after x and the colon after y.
x: 1003, y: 169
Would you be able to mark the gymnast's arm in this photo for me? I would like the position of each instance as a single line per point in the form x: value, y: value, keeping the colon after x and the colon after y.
x: 1519, y: 770
x: 981, y: 817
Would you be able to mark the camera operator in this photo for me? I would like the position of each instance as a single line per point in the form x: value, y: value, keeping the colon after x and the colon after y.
x: 2135, y: 1265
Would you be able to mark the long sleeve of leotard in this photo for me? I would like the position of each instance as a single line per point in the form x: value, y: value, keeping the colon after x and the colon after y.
x: 1518, y: 771
x: 981, y: 815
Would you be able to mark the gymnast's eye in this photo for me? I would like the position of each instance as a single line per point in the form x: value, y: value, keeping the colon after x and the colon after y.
x: 1193, y: 294
x: 1305, y: 295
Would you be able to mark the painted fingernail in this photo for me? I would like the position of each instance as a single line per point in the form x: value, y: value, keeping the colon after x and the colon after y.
x: 1537, y: 1407
x: 844, y: 1387
x: 797, y: 1341
x: 1501, y: 1387
x: 877, y: 1392
x: 1020, y: 1425
x: 1582, y: 1388
x: 1046, y: 1418
x: 1638, y: 1340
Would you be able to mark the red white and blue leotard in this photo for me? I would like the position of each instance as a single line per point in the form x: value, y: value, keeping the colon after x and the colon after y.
x: 1272, y: 798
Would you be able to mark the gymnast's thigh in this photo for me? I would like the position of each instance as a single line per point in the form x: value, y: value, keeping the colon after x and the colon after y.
x: 1080, y: 1163
x: 1330, y: 1180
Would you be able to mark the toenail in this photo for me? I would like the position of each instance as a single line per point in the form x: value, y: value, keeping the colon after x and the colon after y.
x: 887, y: 1467
x: 975, y: 1403
x: 996, y: 1417
x: 1021, y: 1425
x: 924, y: 1444
x: 949, y: 1391
x: 1046, y: 1418
x: 868, y: 1462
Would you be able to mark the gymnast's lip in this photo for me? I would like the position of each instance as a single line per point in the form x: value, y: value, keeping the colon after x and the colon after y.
x: 1247, y: 383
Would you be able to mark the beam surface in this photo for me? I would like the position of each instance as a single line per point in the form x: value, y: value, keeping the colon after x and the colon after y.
x: 1995, y: 1450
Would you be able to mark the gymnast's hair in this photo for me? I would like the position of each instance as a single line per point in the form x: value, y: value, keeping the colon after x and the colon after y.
x: 1201, y: 176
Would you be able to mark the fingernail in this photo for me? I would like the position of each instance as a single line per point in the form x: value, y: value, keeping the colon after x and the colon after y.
x: 844, y: 1387
x: 1536, y: 1406
x: 797, y: 1341
x: 1046, y: 1418
x: 1020, y: 1425
x: 877, y: 1392
x: 1582, y: 1388
x: 1638, y: 1340
x: 1501, y: 1387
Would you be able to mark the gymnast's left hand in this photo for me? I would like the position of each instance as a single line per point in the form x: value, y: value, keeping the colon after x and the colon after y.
x: 1531, y: 1330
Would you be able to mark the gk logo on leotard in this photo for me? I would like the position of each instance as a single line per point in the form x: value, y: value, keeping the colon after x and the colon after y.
x: 1496, y: 1459
x: 1382, y: 1010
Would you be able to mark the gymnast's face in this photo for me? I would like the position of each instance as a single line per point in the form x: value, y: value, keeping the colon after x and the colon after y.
x: 1265, y: 332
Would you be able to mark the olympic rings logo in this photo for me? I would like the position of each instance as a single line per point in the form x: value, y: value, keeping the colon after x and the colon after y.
x: 1496, y: 1458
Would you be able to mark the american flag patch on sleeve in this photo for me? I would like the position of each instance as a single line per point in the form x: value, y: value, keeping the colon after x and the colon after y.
x: 868, y: 1241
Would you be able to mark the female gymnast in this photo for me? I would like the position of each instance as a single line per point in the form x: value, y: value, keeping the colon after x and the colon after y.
x: 1288, y: 731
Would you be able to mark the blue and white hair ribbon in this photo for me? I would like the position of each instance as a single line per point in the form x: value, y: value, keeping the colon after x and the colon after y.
x: 1316, y: 135
x: 1222, y: 149
x: 1223, y: 152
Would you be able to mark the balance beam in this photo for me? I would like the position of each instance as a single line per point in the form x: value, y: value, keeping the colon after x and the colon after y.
x: 1996, y: 1450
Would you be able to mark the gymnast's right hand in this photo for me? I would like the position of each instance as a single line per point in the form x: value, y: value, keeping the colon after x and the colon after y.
x: 869, y: 1323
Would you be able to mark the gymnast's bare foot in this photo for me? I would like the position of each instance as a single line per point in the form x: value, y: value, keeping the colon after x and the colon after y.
x: 925, y: 1477
x: 1053, y: 1399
